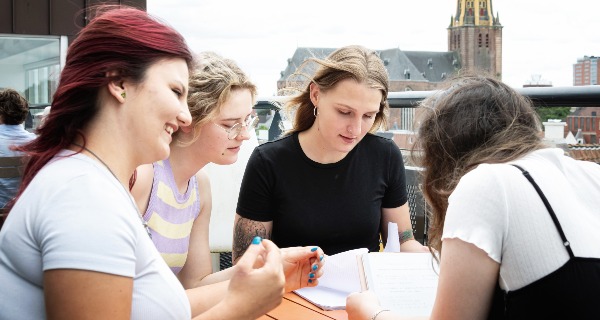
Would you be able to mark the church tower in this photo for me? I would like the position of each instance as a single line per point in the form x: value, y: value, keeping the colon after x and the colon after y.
x: 476, y: 35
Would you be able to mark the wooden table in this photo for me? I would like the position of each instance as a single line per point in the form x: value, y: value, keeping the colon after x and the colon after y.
x: 294, y: 307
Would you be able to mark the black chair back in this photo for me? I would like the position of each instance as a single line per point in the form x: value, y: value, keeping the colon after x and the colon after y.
x: 416, y: 204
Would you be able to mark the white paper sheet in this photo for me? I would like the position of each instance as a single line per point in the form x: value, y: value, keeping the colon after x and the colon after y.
x: 393, y: 241
x: 404, y: 282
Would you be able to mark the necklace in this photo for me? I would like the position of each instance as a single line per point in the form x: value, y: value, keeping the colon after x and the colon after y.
x: 144, y: 223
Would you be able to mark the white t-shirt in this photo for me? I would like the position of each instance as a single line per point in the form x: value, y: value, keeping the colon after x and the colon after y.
x: 76, y: 215
x: 497, y: 209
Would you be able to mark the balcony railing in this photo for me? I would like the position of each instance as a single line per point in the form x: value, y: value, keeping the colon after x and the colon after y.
x: 582, y: 96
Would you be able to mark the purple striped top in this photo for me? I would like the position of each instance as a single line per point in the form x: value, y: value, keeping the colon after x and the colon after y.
x: 170, y: 215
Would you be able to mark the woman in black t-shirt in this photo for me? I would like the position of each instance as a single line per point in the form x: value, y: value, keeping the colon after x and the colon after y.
x: 329, y: 181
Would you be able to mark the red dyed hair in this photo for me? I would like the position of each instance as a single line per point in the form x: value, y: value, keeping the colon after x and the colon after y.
x: 124, y: 40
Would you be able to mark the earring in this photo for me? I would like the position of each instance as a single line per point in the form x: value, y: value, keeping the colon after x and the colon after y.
x: 123, y: 94
x: 315, y: 112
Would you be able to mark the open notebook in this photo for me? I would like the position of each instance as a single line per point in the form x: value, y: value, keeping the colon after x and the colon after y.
x: 342, y: 275
x: 340, y: 278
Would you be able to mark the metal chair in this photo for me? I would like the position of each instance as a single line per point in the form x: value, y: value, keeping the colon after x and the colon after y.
x: 416, y: 204
x: 10, y: 167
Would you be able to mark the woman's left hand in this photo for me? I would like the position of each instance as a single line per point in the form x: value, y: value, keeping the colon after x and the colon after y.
x: 302, y: 266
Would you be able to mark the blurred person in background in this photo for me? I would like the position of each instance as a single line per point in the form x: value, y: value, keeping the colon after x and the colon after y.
x: 14, y: 109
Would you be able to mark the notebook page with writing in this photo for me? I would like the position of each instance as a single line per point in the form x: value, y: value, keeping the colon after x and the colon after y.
x: 403, y: 282
x: 340, y: 278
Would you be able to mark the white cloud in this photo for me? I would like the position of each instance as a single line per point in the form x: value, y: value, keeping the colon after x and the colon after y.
x: 539, y: 36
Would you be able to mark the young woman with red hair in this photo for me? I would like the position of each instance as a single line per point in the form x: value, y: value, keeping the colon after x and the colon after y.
x: 74, y: 245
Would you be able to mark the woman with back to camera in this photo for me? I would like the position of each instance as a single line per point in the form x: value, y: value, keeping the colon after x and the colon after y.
x: 74, y: 245
x: 330, y: 180
x: 504, y: 252
x: 175, y: 194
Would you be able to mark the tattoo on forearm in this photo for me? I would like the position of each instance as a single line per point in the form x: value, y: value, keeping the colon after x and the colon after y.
x: 405, y: 235
x: 243, y: 233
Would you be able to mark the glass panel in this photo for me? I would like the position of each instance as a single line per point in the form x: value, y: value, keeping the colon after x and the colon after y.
x: 31, y: 66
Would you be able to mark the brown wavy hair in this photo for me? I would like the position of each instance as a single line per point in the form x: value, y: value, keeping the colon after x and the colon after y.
x: 477, y: 119
x: 351, y: 62
x: 13, y: 107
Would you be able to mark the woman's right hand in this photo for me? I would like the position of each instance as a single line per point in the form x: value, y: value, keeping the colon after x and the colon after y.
x: 362, y: 305
x: 257, y: 285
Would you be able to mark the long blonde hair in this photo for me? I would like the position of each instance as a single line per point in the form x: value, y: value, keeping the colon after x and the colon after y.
x: 351, y: 62
x: 476, y: 120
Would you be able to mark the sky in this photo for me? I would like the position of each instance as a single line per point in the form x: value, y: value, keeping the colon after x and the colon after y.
x: 540, y: 37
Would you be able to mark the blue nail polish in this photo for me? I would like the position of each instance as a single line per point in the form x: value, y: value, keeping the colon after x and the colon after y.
x: 256, y: 240
x: 314, y: 267
x: 309, y: 280
x: 311, y: 275
x: 314, y: 249
x: 321, y: 259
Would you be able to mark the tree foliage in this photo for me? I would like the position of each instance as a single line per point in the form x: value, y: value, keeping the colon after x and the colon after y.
x: 546, y: 113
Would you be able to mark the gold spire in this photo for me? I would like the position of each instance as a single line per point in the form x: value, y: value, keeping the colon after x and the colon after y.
x: 474, y: 13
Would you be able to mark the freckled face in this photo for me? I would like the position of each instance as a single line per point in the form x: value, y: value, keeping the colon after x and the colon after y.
x: 212, y: 142
x: 346, y: 113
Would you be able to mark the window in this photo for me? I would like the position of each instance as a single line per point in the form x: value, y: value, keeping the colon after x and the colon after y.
x: 588, y: 123
x: 41, y: 82
x: 407, y: 120
x: 31, y: 65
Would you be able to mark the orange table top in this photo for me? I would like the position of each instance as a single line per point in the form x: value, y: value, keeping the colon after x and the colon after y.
x: 294, y: 307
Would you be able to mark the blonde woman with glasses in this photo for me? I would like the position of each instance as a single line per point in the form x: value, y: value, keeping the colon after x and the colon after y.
x: 174, y: 194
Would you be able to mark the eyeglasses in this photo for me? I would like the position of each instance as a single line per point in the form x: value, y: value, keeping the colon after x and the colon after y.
x: 234, y: 131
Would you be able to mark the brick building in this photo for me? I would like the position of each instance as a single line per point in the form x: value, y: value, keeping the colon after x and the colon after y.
x: 585, y: 71
x: 584, y: 124
x: 477, y: 36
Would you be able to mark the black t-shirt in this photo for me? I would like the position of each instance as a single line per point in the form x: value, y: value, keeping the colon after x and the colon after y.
x: 336, y: 206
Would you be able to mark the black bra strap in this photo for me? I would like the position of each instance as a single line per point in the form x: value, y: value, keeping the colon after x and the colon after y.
x: 566, y: 242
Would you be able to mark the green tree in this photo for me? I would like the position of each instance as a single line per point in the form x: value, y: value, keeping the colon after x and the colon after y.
x: 546, y: 113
